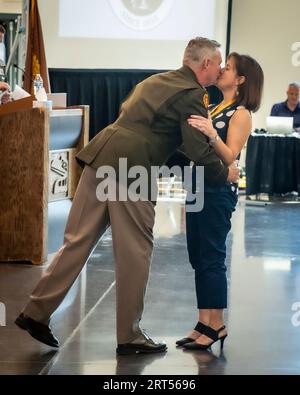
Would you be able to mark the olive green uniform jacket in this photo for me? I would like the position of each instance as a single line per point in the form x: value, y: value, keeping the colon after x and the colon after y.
x: 153, y: 123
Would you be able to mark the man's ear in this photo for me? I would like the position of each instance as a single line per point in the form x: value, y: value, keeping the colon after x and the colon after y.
x: 205, y: 64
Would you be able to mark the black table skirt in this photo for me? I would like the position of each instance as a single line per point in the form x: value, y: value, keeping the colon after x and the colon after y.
x: 273, y: 164
x: 103, y: 91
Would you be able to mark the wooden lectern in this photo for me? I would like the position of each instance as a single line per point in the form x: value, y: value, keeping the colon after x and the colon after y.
x: 38, y: 168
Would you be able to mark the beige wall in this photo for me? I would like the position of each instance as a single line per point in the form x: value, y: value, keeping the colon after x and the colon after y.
x: 96, y: 53
x: 11, y: 6
x: 266, y: 30
x: 93, y: 53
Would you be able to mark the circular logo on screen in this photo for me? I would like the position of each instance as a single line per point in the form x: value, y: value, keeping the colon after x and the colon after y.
x: 141, y: 14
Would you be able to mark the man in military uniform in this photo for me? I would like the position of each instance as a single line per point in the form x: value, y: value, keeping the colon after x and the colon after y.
x: 151, y: 126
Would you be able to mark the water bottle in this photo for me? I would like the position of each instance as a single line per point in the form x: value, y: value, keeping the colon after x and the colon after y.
x: 38, y: 83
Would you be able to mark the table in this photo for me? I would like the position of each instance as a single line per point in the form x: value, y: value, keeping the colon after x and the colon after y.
x: 273, y: 164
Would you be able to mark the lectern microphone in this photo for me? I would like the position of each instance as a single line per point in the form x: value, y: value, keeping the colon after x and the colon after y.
x: 23, y: 71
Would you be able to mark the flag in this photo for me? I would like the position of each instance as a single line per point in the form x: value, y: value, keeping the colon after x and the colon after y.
x: 35, y: 55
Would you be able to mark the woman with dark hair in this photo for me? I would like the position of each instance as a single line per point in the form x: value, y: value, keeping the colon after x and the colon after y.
x: 227, y: 128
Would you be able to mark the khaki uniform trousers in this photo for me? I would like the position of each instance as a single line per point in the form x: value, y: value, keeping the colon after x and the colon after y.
x: 132, y: 233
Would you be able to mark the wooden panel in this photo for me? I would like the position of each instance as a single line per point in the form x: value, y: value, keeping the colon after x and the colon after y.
x: 16, y: 106
x: 24, y: 185
x: 24, y: 180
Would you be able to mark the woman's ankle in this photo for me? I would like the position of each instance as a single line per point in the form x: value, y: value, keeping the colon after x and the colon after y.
x: 193, y: 334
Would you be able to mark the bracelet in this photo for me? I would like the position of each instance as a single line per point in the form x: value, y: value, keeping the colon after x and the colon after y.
x: 212, y: 141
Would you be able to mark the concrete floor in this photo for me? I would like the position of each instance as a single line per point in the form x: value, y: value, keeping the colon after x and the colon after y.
x: 264, y: 287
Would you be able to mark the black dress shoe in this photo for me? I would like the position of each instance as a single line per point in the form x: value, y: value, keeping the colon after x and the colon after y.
x: 142, y: 345
x: 212, y: 334
x: 184, y: 341
x: 199, y: 328
x: 37, y: 330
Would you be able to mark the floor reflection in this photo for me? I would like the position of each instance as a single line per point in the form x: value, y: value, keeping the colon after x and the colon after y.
x: 208, y: 362
x: 170, y: 220
x: 264, y: 277
x: 136, y: 364
x: 272, y: 231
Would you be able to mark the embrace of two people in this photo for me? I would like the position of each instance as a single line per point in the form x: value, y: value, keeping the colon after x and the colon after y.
x: 164, y: 112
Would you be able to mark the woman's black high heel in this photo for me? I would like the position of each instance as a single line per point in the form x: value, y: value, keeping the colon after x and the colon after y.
x: 212, y: 334
x: 199, y: 328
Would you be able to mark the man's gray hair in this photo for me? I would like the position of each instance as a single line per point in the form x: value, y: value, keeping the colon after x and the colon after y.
x: 294, y: 85
x: 199, y: 49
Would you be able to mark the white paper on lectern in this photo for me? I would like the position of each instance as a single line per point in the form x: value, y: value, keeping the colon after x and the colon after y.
x: 41, y: 95
x: 19, y: 93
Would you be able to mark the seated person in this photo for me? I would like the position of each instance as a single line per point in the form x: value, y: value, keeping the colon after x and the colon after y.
x: 290, y: 107
x: 4, y: 93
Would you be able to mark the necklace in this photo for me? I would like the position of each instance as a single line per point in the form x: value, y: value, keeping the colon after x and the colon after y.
x: 220, y: 107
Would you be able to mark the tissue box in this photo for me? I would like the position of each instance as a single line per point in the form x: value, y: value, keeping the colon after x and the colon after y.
x: 58, y: 99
